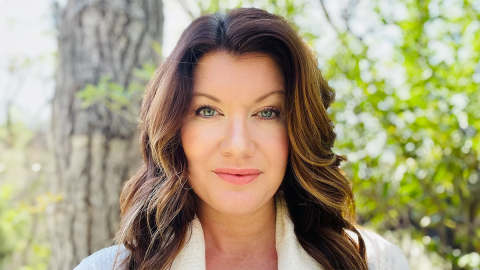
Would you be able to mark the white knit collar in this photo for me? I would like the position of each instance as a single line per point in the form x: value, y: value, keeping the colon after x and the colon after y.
x: 290, y: 253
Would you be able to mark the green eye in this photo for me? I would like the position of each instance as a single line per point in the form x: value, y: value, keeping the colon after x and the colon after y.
x: 205, y: 111
x: 269, y: 113
x: 208, y: 112
x: 266, y: 113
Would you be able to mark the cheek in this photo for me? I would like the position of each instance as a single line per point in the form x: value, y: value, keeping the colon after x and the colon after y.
x: 198, y: 143
x: 190, y: 146
x: 275, y: 146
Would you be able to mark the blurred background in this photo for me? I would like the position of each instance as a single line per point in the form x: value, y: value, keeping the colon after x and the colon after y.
x: 72, y: 75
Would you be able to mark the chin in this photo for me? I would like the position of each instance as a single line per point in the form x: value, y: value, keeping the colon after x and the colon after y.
x: 239, y: 203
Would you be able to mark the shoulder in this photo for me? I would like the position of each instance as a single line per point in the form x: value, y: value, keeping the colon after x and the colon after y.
x: 104, y: 259
x: 381, y: 254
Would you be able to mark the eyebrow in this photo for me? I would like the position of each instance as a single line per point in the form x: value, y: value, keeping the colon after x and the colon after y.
x: 281, y: 92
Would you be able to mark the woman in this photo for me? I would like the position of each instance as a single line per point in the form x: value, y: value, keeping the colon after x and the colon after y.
x: 238, y: 167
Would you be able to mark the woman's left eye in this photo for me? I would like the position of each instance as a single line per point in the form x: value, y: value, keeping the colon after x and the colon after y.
x: 269, y: 113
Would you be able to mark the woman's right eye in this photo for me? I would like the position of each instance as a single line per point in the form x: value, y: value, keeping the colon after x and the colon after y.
x: 205, y: 111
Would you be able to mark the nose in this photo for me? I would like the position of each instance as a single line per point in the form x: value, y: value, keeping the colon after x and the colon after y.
x: 237, y: 140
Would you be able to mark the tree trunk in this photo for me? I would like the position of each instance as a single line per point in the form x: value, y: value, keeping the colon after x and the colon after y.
x: 95, y: 150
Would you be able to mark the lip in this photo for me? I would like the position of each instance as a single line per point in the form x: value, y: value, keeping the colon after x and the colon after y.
x: 237, y: 177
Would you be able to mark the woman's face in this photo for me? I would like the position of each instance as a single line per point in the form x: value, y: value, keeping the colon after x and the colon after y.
x: 235, y: 137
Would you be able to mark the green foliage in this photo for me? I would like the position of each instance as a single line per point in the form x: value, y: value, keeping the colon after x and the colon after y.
x: 15, y: 225
x: 10, y: 221
x: 408, y: 124
x: 16, y: 135
x: 22, y: 241
x: 116, y: 97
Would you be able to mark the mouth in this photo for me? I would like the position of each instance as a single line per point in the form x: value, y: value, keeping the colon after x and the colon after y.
x: 237, y: 177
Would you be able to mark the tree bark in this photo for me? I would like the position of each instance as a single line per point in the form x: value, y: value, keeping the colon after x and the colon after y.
x: 95, y: 150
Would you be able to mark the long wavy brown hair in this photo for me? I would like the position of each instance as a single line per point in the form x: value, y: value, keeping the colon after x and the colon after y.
x: 156, y: 203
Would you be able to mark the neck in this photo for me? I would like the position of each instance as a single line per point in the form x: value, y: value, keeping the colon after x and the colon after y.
x: 236, y: 236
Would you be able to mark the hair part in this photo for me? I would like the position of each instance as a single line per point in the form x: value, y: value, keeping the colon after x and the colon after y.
x: 156, y: 208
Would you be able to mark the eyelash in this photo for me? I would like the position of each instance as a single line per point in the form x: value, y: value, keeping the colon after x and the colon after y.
x: 272, y: 109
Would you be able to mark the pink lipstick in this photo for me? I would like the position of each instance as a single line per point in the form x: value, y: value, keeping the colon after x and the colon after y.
x: 237, y: 177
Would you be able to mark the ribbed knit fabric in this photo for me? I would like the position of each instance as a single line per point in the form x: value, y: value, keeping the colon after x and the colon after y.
x: 381, y: 254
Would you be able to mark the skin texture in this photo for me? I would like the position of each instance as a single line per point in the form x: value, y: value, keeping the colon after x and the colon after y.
x: 237, y: 130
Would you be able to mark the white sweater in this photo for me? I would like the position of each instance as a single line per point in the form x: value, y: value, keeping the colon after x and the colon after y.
x: 381, y: 254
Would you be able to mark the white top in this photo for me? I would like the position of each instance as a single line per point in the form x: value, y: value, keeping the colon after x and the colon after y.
x: 381, y: 254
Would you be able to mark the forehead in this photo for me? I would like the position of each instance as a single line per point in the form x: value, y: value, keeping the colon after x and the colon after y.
x: 246, y: 76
